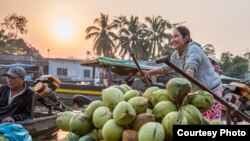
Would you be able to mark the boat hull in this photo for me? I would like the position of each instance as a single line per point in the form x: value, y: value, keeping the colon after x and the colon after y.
x: 67, y: 91
x: 41, y: 127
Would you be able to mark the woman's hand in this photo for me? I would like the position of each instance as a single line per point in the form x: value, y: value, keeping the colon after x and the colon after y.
x: 146, y: 74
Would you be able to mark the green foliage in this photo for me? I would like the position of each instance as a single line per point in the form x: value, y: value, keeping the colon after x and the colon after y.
x: 148, y: 41
x: 209, y: 49
x: 9, y: 43
x: 235, y: 67
x: 103, y: 36
x: 14, y: 24
x: 157, y: 35
x: 166, y: 50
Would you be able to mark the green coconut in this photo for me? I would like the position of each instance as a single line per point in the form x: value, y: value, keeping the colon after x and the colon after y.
x: 111, y: 96
x: 87, y: 138
x: 120, y: 88
x: 130, y: 94
x: 124, y: 114
x: 80, y: 124
x: 140, y: 104
x: 162, y: 108
x: 159, y: 95
x: 89, y: 110
x: 63, y: 120
x: 94, y: 134
x: 170, y: 119
x: 112, y: 131
x: 91, y: 136
x: 101, y: 116
x: 177, y: 89
x: 201, y: 99
x: 149, y: 91
x: 72, y: 137
x: 151, y: 131
x: 126, y: 87
x: 192, y: 114
x: 205, y: 121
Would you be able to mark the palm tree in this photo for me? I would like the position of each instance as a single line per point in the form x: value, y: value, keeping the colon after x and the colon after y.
x: 157, y: 35
x: 103, y: 35
x: 131, y: 34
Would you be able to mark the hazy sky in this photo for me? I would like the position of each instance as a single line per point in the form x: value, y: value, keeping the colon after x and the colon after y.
x: 223, y: 23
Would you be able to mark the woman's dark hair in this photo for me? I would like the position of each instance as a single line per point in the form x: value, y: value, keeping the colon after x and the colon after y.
x: 184, y: 31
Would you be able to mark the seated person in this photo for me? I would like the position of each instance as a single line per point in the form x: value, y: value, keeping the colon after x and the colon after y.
x: 215, y: 64
x: 130, y: 79
x: 15, y: 97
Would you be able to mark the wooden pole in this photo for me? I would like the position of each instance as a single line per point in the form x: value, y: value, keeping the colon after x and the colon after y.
x: 232, y: 109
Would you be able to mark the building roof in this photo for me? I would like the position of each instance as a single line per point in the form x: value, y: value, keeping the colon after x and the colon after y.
x: 118, y: 66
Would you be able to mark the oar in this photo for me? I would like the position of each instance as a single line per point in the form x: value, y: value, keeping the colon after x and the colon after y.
x: 233, y: 109
x: 131, y: 53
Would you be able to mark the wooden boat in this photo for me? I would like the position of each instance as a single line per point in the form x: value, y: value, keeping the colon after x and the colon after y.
x: 119, y: 67
x: 42, y: 126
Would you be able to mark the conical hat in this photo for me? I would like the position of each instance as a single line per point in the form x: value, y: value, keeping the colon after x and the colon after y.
x: 212, y: 57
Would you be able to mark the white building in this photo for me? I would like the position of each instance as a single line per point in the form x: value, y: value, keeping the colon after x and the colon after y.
x: 71, y: 70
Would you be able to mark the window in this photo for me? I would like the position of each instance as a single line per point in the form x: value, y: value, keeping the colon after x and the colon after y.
x: 62, y: 71
x: 86, y: 73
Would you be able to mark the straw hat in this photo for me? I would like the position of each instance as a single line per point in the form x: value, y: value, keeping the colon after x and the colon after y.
x: 213, y: 58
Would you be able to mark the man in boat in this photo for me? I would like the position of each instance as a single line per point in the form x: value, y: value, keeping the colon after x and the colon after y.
x: 15, y: 97
x: 130, y: 79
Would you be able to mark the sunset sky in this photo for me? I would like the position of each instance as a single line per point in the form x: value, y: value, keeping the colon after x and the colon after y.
x: 59, y: 25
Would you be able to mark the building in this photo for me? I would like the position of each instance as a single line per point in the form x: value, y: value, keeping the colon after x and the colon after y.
x: 70, y: 70
x: 67, y: 70
x: 40, y: 64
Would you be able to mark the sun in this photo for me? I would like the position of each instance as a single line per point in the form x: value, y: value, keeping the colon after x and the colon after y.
x: 63, y: 30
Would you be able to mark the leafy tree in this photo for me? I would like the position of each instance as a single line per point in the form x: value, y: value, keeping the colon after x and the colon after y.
x: 225, y: 60
x: 9, y: 43
x: 3, y: 38
x: 226, y: 56
x: 103, y: 35
x: 120, y: 21
x: 19, y: 47
x: 157, y: 35
x: 15, y: 24
x: 238, y: 67
x: 209, y: 49
x: 132, y: 35
x: 166, y: 50
x: 147, y: 42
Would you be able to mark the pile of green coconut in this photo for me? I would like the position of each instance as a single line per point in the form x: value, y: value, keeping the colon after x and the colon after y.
x: 125, y: 114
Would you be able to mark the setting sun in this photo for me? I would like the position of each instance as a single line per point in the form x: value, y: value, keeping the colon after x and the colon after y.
x: 63, y: 30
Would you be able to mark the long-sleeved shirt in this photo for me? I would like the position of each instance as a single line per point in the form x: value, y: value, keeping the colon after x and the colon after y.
x: 193, y: 58
x: 20, y: 106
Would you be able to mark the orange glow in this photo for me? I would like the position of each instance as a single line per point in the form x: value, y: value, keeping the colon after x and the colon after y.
x: 59, y: 25
x: 63, y: 30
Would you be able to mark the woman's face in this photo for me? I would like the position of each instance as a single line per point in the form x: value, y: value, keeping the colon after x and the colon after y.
x: 178, y: 41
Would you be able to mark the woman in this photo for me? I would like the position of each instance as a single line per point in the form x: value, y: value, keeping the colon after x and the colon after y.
x: 189, y: 56
x: 215, y: 64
